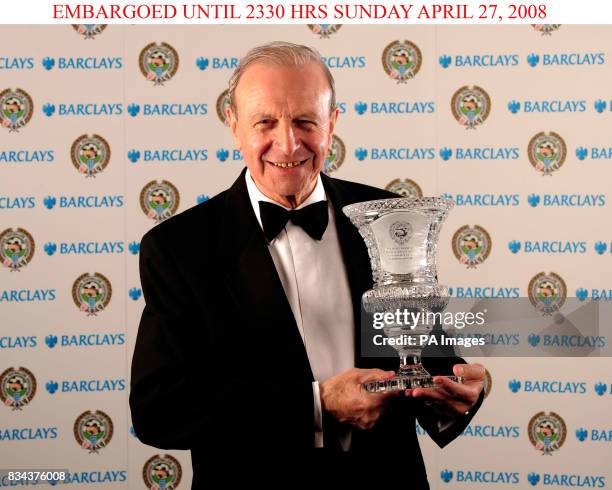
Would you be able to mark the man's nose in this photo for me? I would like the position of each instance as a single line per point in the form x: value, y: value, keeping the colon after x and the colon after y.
x: 286, y: 139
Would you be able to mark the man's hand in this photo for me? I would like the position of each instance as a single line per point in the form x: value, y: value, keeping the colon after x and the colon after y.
x: 344, y: 397
x: 450, y: 399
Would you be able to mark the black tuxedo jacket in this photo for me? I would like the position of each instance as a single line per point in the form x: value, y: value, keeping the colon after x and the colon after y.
x: 219, y: 365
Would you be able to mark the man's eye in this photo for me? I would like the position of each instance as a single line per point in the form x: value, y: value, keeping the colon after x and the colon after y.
x: 306, y: 122
x: 264, y: 122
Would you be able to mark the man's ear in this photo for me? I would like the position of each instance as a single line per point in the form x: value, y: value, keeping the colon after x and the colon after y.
x: 232, y: 121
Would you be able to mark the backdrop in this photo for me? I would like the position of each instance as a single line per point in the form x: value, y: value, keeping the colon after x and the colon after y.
x: 106, y: 131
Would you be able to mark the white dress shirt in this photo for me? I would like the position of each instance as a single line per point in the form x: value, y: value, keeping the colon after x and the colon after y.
x: 314, y: 278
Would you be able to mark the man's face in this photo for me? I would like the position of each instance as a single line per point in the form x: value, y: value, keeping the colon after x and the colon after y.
x: 283, y: 128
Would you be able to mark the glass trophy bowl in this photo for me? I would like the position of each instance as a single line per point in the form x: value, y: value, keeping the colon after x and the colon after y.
x: 401, y: 235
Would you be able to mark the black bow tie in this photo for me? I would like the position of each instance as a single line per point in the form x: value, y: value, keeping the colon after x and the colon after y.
x: 312, y: 218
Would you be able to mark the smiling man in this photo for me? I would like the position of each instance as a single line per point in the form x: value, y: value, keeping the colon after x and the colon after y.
x: 258, y: 320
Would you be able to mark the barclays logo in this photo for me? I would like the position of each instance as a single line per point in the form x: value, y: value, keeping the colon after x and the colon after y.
x: 493, y: 338
x: 395, y: 153
x: 602, y: 388
x: 27, y: 156
x: 168, y: 155
x: 217, y: 63
x: 105, y: 109
x: 547, y: 106
x: 567, y: 200
x: 484, y: 292
x: 26, y: 434
x: 479, y: 60
x: 108, y: 476
x: 84, y: 248
x: 27, y: 295
x: 223, y: 154
x: 337, y: 62
x: 496, y: 431
x: 548, y: 247
x: 85, y: 340
x: 566, y: 59
x: 401, y: 107
x: 89, y: 63
x: 202, y: 198
x: 595, y: 435
x: 543, y: 386
x: 110, y: 201
x: 21, y: 342
x: 135, y: 293
x: 134, y: 247
x: 569, y: 341
x: 595, y: 294
x: 566, y: 480
x: 20, y: 202
x: 506, y: 200
x: 177, y: 109
x: 594, y: 153
x: 18, y: 63
x: 85, y: 386
x: 475, y: 476
x: 478, y: 153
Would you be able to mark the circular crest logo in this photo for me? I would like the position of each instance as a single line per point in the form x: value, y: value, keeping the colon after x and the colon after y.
x: 471, y: 106
x: 16, y: 108
x: 405, y: 188
x: 546, y: 29
x: 324, y: 30
x: 547, y: 432
x: 90, y: 154
x: 17, y: 248
x: 223, y: 102
x: 400, y: 232
x: 402, y: 60
x: 162, y: 472
x: 159, y: 200
x: 158, y: 62
x: 89, y: 31
x: 93, y: 430
x: 471, y: 245
x: 547, y: 292
x: 91, y: 293
x: 335, y: 156
x: 547, y: 152
x: 17, y: 387
x: 488, y: 383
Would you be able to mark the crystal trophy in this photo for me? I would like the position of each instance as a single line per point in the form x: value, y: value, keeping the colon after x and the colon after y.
x: 401, y: 235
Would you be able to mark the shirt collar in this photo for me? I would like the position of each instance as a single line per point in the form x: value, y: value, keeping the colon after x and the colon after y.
x: 255, y: 195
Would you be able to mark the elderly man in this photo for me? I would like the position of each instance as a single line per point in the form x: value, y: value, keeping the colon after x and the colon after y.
x: 249, y: 341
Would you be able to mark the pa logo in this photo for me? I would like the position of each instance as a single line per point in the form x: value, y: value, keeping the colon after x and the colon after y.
x: 17, y: 387
x: 91, y: 293
x: 223, y: 102
x: 546, y: 29
x: 547, y: 152
x: 547, y: 432
x: 335, y: 156
x: 17, y: 248
x: 471, y: 245
x: 446, y: 475
x: 405, y: 188
x: 547, y: 292
x: 162, y: 472
x: 514, y: 385
x: 158, y: 62
x: 93, y: 430
x: 402, y: 60
x: 324, y: 30
x: 471, y: 106
x: 159, y: 200
x: 16, y: 108
x: 89, y: 31
x: 90, y: 154
x: 533, y: 478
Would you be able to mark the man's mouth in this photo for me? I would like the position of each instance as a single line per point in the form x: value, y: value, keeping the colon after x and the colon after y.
x: 293, y: 164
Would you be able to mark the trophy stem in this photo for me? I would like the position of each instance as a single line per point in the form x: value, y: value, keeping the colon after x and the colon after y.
x: 410, y: 365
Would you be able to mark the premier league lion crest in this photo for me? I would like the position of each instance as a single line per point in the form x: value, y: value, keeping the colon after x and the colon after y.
x: 90, y: 154
x: 335, y: 156
x: 405, y: 188
x: 547, y: 432
x: 471, y: 106
x: 17, y: 387
x: 547, y: 292
x: 162, y: 472
x: 159, y: 200
x: 400, y: 232
x: 91, y: 293
x: 324, y: 30
x: 158, y: 62
x: 471, y: 245
x: 402, y: 60
x: 547, y: 152
x: 546, y: 29
x: 16, y: 109
x: 223, y: 102
x: 93, y: 430
x: 89, y: 31
x: 17, y: 248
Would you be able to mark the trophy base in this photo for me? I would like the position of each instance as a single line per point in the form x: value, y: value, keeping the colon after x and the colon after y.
x: 405, y: 383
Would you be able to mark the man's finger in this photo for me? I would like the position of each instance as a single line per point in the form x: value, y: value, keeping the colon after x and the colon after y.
x: 470, y: 371
x: 368, y: 375
x: 453, y: 389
